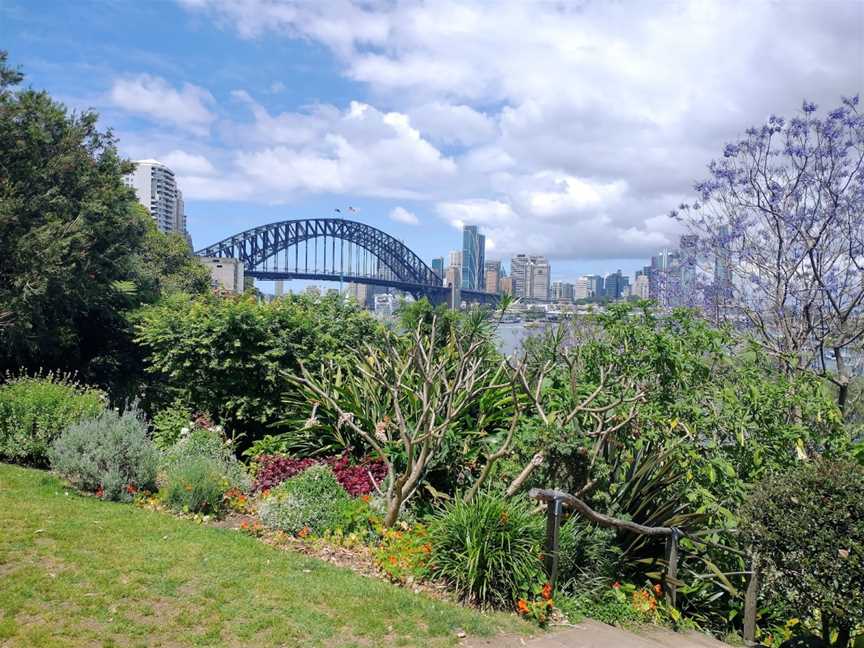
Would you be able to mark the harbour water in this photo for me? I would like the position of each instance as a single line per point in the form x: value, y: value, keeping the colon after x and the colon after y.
x: 510, y: 335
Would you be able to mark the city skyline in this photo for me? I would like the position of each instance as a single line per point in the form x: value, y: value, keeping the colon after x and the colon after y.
x: 265, y: 115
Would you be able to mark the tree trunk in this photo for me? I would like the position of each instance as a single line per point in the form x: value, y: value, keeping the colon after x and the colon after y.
x: 843, y: 636
x: 842, y: 380
x: 393, y: 506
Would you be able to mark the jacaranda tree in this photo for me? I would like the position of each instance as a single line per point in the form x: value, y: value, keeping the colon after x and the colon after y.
x: 782, y: 216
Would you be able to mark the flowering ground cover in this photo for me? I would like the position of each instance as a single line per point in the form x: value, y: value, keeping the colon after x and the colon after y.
x: 79, y: 571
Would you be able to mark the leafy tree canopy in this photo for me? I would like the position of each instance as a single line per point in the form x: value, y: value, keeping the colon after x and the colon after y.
x: 77, y: 251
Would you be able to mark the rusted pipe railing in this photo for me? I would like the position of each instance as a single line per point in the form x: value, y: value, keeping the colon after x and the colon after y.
x: 557, y: 500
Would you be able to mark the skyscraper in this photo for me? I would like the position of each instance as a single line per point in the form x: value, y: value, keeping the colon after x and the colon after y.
x: 581, y: 289
x: 530, y: 277
x: 519, y: 275
x: 722, y: 270
x: 492, y: 276
x: 689, y: 261
x: 473, y: 258
x: 562, y: 291
x: 616, y: 285
x: 453, y: 281
x: 640, y: 286
x: 540, y: 271
x: 454, y: 259
x: 595, y: 285
x: 156, y: 189
x: 438, y: 267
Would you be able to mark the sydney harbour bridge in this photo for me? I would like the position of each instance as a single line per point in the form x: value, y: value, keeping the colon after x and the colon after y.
x: 335, y: 249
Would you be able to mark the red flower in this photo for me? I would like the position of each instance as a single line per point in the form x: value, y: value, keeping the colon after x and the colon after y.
x: 100, y: 492
x: 547, y: 591
x: 522, y: 606
x: 616, y: 585
x: 658, y: 590
x: 130, y: 488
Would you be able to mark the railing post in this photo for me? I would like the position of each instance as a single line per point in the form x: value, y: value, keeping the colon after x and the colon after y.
x: 751, y: 598
x: 672, y: 567
x: 553, y: 527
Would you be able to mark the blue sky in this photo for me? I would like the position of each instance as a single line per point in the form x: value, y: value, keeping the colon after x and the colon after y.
x: 564, y: 129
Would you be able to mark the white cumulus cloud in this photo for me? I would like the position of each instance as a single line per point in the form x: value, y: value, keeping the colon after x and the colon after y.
x: 153, y: 97
x: 402, y: 215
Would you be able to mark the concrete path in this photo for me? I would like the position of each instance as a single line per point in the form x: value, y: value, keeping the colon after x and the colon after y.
x: 593, y: 634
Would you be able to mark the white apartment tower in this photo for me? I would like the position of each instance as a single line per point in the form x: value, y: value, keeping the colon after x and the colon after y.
x: 157, y: 190
x: 581, y: 288
x: 530, y: 277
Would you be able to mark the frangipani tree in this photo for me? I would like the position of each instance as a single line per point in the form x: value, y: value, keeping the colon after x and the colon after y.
x: 782, y: 216
x: 404, y: 398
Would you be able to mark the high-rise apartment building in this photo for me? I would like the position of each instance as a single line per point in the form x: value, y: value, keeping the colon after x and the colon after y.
x: 506, y: 285
x: 616, y: 286
x: 156, y: 189
x: 530, y: 277
x: 492, y: 276
x: 595, y: 285
x: 722, y: 269
x: 562, y: 291
x: 454, y: 259
x: 473, y: 258
x: 580, y: 288
x: 640, y: 286
x: 519, y: 275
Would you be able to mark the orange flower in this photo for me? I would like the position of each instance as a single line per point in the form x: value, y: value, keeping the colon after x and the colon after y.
x: 547, y: 591
x: 658, y: 590
x: 244, y: 525
x: 616, y: 585
x: 427, y: 548
x: 302, y: 533
x: 365, y: 498
x: 130, y: 488
x: 522, y: 606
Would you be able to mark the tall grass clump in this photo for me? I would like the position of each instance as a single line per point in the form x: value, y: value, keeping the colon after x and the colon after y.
x: 487, y: 549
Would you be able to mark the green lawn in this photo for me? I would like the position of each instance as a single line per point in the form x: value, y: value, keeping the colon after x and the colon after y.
x: 77, y: 571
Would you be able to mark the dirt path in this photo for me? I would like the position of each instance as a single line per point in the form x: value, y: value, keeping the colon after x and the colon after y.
x: 593, y: 634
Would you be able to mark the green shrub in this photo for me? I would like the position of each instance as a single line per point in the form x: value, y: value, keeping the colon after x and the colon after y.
x: 197, y: 472
x: 588, y: 556
x: 35, y: 410
x: 807, y: 525
x: 168, y: 424
x: 488, y: 549
x: 313, y: 500
x: 613, y: 606
x: 110, y: 455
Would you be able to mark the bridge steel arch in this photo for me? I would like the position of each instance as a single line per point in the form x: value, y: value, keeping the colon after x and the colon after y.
x: 407, y: 270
